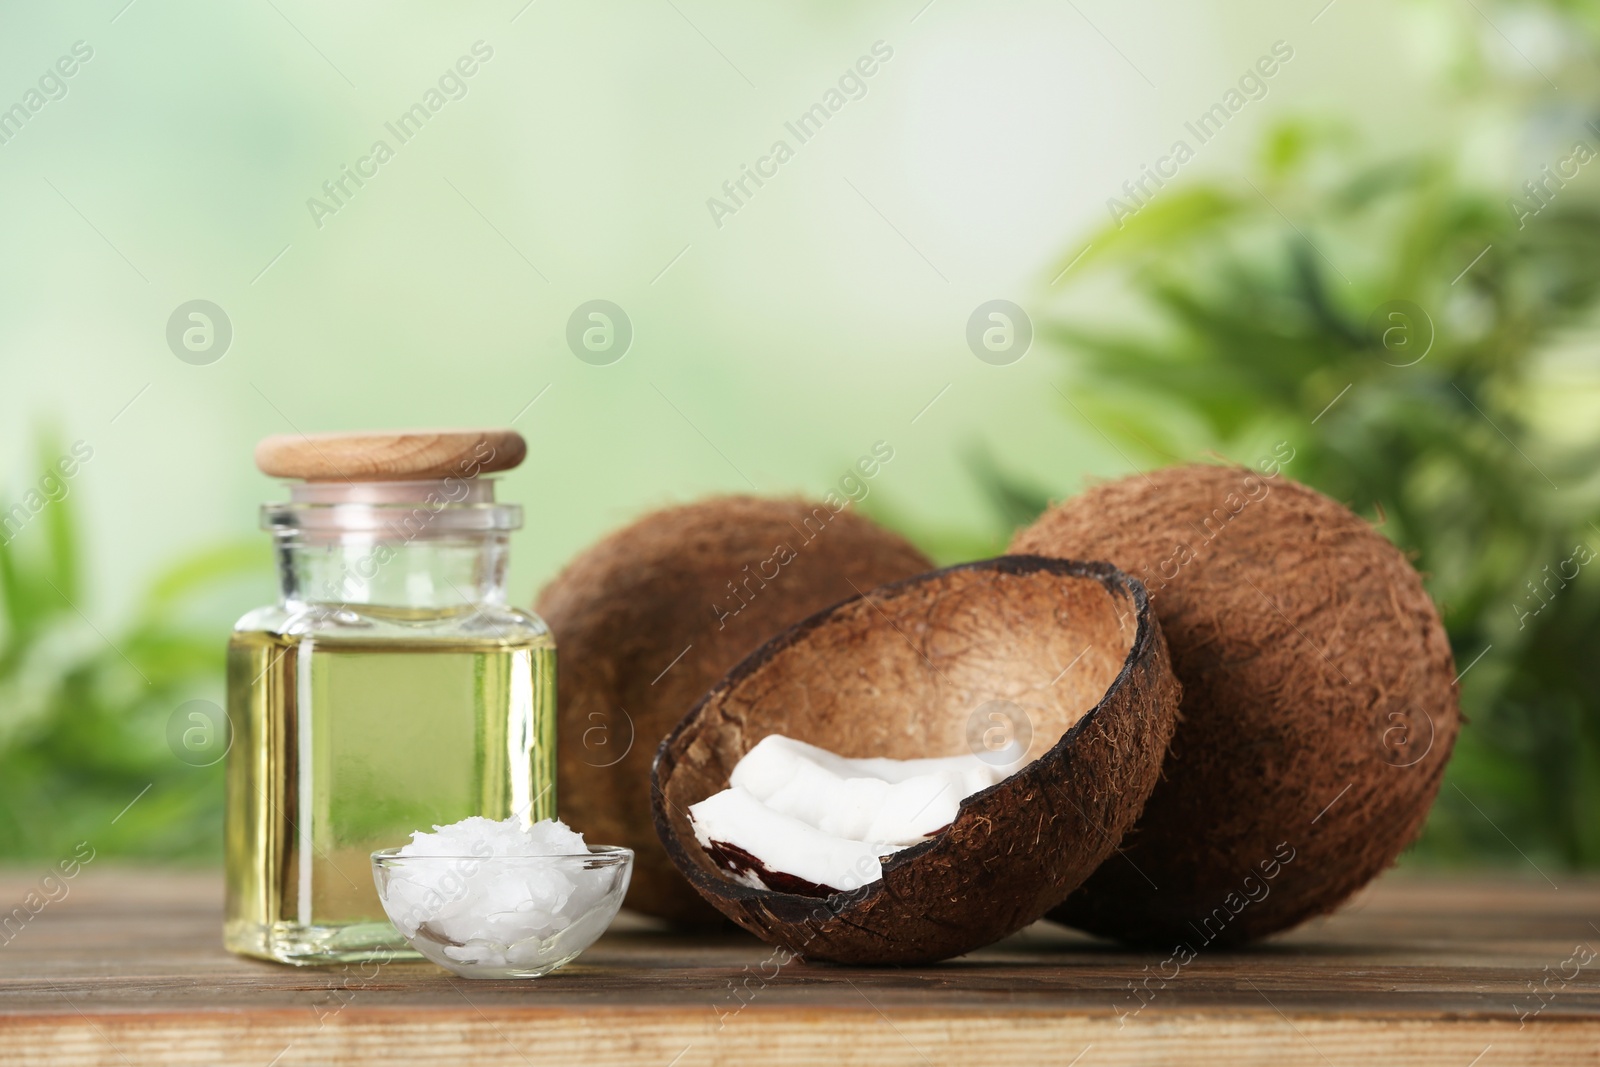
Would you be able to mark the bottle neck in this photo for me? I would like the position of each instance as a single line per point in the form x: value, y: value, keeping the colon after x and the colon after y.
x: 403, y: 546
x: 430, y: 576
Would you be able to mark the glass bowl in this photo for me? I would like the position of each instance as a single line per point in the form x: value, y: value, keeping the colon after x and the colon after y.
x: 502, y: 916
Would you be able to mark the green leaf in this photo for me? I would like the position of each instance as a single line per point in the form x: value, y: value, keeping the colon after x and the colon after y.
x: 205, y: 570
x: 1172, y: 216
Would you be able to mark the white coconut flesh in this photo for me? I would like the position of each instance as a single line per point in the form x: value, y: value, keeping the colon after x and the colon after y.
x: 801, y: 811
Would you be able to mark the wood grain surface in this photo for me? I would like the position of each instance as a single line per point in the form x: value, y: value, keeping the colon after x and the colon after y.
x: 128, y: 968
x: 389, y: 455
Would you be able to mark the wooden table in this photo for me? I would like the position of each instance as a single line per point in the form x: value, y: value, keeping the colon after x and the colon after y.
x: 128, y: 969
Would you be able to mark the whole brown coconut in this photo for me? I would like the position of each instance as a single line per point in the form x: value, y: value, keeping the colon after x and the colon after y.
x: 648, y: 618
x: 1062, y: 657
x: 1319, y: 707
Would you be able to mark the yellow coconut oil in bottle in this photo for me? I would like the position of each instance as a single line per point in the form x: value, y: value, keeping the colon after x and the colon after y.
x: 390, y: 689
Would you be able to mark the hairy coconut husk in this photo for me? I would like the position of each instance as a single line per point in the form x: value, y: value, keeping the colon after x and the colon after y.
x: 913, y: 669
x: 648, y: 618
x: 1319, y: 707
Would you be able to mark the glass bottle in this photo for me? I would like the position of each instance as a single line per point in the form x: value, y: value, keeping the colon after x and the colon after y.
x: 390, y: 689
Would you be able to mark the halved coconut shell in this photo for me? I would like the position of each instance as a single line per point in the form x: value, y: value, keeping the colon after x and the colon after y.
x: 1066, y: 652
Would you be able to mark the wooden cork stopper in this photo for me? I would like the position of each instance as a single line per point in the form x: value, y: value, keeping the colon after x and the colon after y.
x: 393, y: 455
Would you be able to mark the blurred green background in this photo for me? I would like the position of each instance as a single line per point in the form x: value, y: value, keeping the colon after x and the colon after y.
x: 1352, y: 264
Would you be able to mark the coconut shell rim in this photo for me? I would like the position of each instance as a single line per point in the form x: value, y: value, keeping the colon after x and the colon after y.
x: 1107, y: 574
